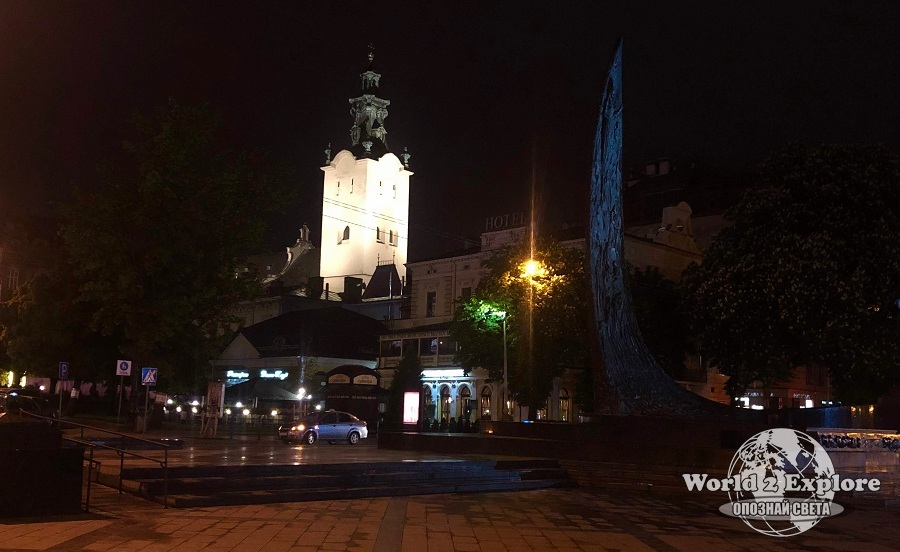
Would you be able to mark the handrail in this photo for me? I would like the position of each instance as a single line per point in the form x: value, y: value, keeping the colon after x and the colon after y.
x: 121, y: 452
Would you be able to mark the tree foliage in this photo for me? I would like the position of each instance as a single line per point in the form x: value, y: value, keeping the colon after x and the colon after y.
x: 158, y: 250
x: 546, y: 309
x: 561, y: 320
x: 807, y: 271
x: 43, y: 324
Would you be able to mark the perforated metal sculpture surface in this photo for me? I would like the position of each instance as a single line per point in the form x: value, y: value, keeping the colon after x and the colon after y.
x: 637, y: 381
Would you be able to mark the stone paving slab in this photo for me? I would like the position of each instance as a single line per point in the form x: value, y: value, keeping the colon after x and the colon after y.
x: 566, y: 520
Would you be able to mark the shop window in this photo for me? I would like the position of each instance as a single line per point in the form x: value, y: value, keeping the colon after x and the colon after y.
x: 464, y: 403
x: 446, y: 346
x: 391, y: 348
x: 412, y: 343
x: 486, y: 403
x: 564, y: 403
x: 445, y: 403
x: 428, y: 346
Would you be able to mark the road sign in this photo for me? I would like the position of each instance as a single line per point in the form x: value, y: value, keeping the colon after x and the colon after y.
x: 123, y: 367
x: 148, y: 376
x: 63, y: 370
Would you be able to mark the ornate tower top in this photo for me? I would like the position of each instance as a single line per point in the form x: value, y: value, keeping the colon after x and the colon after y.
x: 368, y: 135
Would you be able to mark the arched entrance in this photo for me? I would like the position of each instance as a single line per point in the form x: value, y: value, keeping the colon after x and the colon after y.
x: 564, y: 415
x: 445, y: 403
x: 428, y: 412
x: 485, y: 406
x: 464, y: 403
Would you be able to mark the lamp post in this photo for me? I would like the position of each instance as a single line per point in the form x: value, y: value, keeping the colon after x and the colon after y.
x: 505, y: 404
x: 505, y: 375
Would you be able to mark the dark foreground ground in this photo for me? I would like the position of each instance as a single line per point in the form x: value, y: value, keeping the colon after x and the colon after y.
x: 559, y: 519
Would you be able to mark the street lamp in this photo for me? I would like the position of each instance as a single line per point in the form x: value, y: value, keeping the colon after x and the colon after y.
x: 502, y: 315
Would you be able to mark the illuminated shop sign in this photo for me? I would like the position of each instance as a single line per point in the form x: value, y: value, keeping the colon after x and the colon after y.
x: 233, y: 374
x: 277, y: 374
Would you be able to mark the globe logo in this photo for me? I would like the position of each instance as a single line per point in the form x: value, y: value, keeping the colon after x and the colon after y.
x: 786, y: 483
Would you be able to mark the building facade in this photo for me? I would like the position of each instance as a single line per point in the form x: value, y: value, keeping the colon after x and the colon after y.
x: 440, y: 284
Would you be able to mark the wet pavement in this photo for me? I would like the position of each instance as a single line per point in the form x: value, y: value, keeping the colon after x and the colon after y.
x: 573, y: 520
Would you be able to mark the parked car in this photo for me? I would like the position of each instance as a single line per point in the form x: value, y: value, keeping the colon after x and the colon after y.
x: 25, y: 401
x: 331, y: 426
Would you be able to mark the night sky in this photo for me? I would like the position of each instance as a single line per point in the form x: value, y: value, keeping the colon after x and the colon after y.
x: 486, y: 95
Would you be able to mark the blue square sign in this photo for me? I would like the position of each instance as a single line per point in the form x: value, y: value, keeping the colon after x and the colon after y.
x: 63, y: 370
x: 148, y: 376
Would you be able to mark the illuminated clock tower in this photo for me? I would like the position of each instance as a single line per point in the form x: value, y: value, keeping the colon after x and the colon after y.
x: 365, y: 201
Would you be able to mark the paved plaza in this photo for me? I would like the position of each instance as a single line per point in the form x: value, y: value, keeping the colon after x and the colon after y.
x: 560, y: 519
x: 568, y: 520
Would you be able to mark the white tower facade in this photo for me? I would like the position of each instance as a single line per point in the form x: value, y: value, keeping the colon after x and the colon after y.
x: 365, y: 200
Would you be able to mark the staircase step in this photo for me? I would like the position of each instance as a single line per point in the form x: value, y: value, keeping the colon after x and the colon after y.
x: 257, y: 484
x: 349, y: 493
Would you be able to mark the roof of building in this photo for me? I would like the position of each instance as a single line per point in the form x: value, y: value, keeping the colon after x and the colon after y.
x: 385, y: 282
x: 331, y: 332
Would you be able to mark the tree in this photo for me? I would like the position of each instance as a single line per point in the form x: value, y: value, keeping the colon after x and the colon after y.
x: 544, y: 296
x: 43, y: 324
x: 407, y: 377
x: 807, y: 271
x: 158, y: 250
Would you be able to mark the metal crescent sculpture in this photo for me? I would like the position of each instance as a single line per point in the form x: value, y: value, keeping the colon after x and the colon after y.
x: 638, y: 382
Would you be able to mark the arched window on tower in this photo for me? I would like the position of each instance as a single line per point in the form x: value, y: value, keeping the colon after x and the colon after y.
x: 391, y: 237
x: 379, y: 235
x: 346, y: 234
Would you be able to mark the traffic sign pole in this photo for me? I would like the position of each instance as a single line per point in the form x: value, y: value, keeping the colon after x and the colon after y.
x: 123, y: 368
x: 121, y: 392
x: 146, y: 405
x: 63, y: 376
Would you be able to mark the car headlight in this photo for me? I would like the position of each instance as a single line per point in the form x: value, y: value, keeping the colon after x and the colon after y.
x: 300, y: 427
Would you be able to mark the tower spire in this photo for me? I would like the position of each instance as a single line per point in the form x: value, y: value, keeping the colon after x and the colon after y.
x: 368, y: 135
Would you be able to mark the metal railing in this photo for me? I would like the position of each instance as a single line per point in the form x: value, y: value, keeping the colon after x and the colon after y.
x: 121, y: 452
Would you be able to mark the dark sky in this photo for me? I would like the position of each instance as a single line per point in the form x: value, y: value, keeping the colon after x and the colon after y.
x: 486, y: 95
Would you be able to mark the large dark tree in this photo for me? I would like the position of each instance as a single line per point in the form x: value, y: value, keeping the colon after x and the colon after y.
x: 808, y: 271
x: 43, y: 324
x: 158, y: 250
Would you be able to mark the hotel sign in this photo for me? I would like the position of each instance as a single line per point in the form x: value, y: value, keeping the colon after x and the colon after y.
x: 509, y: 220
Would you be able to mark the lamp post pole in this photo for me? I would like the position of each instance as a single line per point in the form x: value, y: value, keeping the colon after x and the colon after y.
x: 505, y: 375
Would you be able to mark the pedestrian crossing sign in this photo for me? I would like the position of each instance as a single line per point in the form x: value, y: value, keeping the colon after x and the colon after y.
x: 148, y: 376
